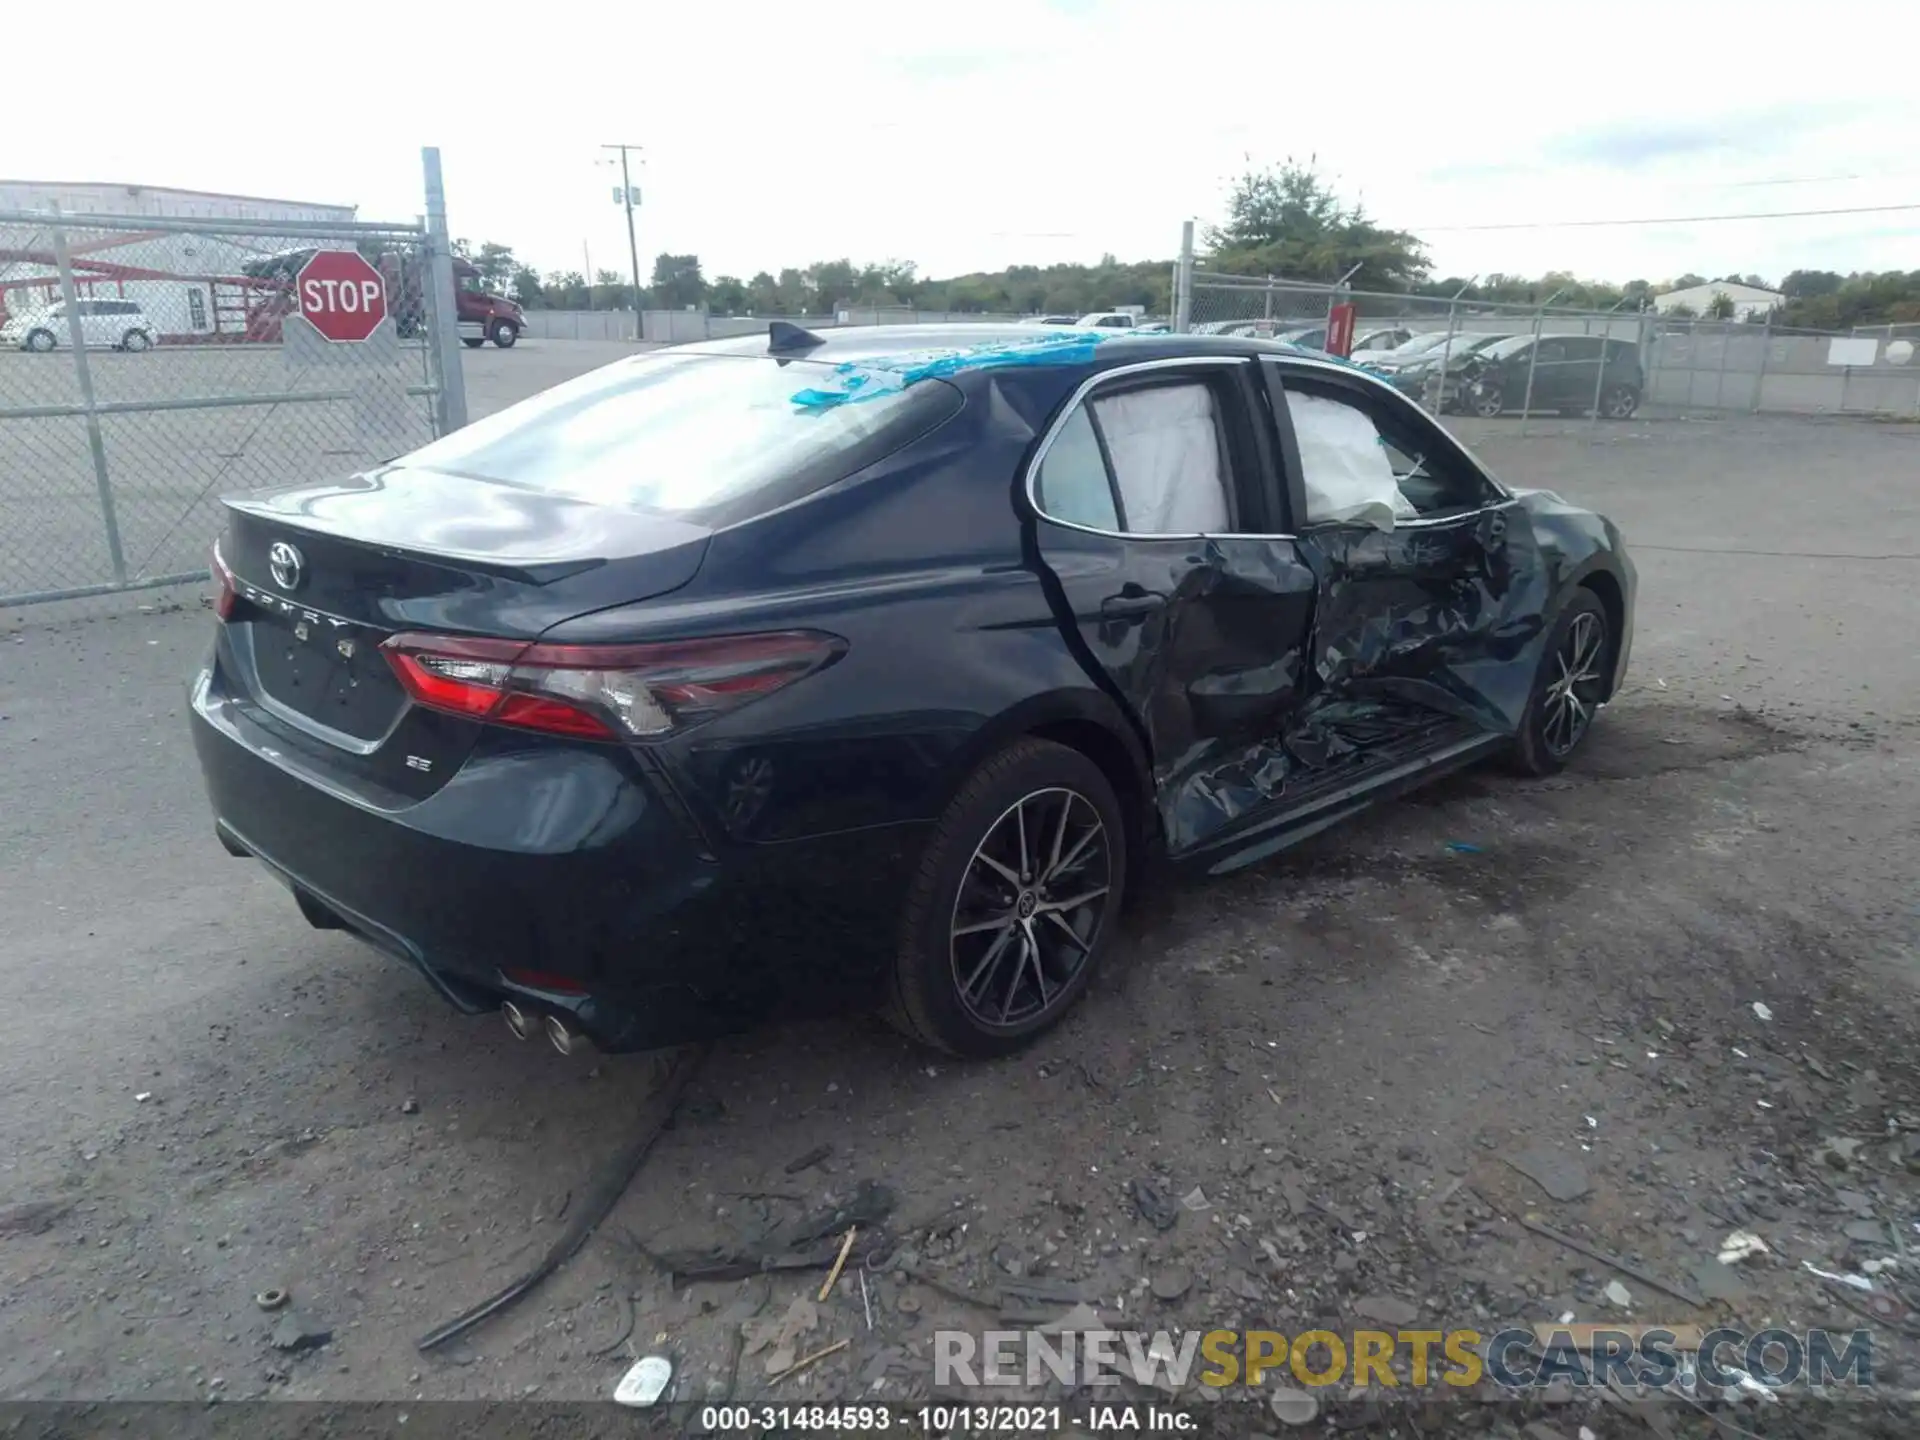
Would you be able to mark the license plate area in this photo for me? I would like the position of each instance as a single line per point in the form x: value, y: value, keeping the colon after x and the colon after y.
x: 326, y: 669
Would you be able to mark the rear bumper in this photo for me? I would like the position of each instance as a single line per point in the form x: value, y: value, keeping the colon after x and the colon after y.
x: 567, y: 860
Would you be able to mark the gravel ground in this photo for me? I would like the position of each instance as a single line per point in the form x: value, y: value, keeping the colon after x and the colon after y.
x: 1686, y: 968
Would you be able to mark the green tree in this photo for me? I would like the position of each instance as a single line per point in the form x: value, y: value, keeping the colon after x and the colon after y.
x: 831, y: 284
x: 1687, y: 282
x: 791, y: 291
x: 763, y: 294
x: 1288, y: 221
x: 727, y: 295
x: 526, y: 289
x: 1721, y: 306
x: 677, y: 282
x: 611, y: 291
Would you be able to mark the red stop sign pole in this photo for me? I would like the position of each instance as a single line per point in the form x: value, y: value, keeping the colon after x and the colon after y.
x: 341, y: 295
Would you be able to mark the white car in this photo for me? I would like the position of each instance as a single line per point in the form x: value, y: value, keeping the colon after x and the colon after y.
x: 1108, y: 320
x: 104, y: 324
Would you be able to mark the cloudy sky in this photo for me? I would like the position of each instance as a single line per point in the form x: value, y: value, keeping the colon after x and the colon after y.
x: 972, y: 135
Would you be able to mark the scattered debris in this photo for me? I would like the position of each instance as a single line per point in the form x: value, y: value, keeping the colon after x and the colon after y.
x: 1741, y: 1245
x: 1838, y: 1151
x: 1561, y: 1176
x: 1196, y: 1199
x: 607, y: 1190
x: 1760, y: 1010
x: 1867, y: 1232
x: 805, y: 1361
x: 143, y: 1097
x: 1853, y: 1282
x: 782, y: 1337
x: 839, y: 1263
x: 866, y: 1300
x: 1388, y: 1310
x: 1618, y: 1294
x: 809, y: 1160
x: 809, y: 1243
x: 1154, y: 1207
x: 296, y: 1335
x: 1462, y: 847
x: 271, y: 1299
x: 1854, y: 1202
x: 1293, y: 1407
x: 645, y: 1383
x: 1171, y: 1282
x: 409, y: 1106
x: 1612, y: 1261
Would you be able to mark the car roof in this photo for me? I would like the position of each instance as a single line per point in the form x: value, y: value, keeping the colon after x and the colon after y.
x: 871, y: 342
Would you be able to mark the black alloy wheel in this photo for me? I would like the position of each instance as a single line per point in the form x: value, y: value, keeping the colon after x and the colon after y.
x: 1014, y: 902
x: 1569, y: 689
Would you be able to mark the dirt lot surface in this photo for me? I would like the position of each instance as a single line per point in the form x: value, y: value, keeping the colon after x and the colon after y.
x: 1684, y: 975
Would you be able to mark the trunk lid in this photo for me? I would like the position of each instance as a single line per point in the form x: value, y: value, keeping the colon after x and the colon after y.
x: 326, y: 573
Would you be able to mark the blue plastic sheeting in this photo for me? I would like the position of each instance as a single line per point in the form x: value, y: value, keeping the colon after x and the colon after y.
x: 858, y: 380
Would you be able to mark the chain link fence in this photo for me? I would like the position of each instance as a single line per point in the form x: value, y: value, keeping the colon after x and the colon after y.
x: 1672, y: 365
x: 149, y: 365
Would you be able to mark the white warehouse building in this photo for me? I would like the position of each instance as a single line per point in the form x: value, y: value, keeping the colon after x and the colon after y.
x: 193, y: 286
x: 1749, y: 301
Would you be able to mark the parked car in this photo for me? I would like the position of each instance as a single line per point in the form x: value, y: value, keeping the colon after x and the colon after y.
x: 696, y: 690
x: 105, y: 324
x: 1566, y: 376
x: 1414, y: 369
x: 1109, y: 320
x: 1379, y: 340
x: 1052, y: 320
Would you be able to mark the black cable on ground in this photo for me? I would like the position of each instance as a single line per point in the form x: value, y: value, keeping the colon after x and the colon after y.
x: 598, y: 1202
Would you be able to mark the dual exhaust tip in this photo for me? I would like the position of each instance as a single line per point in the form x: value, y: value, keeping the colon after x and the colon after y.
x: 562, y: 1036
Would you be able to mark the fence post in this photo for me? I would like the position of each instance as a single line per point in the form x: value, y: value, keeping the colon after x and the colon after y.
x: 1766, y: 354
x: 444, y: 309
x: 76, y: 336
x: 1600, y: 378
x: 1533, y: 359
x: 1720, y: 379
x: 1183, y: 281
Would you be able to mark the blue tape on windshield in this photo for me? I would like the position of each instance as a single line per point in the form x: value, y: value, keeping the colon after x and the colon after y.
x: 858, y: 380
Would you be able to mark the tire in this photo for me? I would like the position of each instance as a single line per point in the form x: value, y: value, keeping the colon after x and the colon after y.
x: 41, y: 341
x: 136, y: 341
x: 1619, y: 402
x: 947, y: 985
x: 1486, y: 402
x: 503, y: 334
x: 472, y: 344
x: 1582, y: 644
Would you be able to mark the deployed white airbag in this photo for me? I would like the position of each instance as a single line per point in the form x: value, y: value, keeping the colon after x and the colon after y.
x: 1348, y: 473
x: 1165, y: 447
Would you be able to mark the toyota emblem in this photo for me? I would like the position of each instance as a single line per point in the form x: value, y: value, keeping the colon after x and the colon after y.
x: 286, y: 564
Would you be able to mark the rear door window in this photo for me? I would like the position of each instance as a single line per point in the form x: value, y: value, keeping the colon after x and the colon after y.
x: 714, y: 438
x: 1142, y: 459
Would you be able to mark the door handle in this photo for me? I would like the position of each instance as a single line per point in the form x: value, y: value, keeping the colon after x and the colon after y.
x: 1131, y: 604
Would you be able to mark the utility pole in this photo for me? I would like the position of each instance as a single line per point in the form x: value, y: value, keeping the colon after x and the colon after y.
x: 633, y: 245
x: 586, y: 259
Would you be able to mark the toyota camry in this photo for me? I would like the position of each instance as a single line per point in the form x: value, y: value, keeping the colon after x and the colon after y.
x: 872, y: 668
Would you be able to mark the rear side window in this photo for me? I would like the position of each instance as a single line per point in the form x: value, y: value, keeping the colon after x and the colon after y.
x: 716, y: 438
x: 1151, y: 460
x: 1073, y: 484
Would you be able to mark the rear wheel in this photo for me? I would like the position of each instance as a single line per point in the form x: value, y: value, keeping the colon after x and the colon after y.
x: 1619, y: 402
x: 504, y: 333
x: 136, y: 341
x: 1486, y: 401
x: 1567, y: 691
x: 40, y: 340
x: 1014, y: 903
x: 473, y: 344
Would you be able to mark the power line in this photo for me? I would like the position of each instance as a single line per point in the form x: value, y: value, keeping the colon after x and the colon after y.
x: 1669, y: 219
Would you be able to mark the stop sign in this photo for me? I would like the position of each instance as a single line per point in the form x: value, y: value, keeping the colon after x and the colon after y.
x: 342, y: 295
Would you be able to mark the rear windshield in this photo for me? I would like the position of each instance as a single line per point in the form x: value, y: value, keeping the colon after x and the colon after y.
x: 716, y: 438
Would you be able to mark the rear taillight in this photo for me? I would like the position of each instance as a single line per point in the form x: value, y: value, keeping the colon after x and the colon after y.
x: 603, y: 692
x: 228, y: 594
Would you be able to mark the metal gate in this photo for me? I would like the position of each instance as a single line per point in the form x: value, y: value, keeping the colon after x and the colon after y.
x: 149, y: 365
